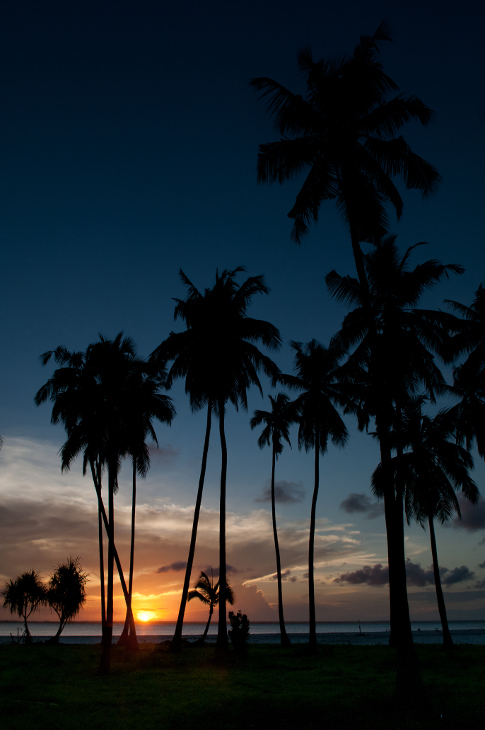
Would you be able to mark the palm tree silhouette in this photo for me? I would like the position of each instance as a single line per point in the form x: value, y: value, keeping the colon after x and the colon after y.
x: 343, y: 133
x: 143, y: 403
x: 24, y: 596
x: 469, y: 377
x: 392, y: 344
x: 66, y: 592
x: 209, y: 594
x: 276, y: 430
x: 90, y: 397
x: 317, y: 376
x: 217, y: 357
x: 432, y: 467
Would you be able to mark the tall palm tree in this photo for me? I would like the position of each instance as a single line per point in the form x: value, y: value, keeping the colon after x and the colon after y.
x: 90, y: 397
x: 143, y: 402
x: 208, y: 593
x: 219, y: 360
x: 432, y: 467
x: 276, y: 430
x: 317, y: 377
x: 343, y: 133
x: 392, y: 345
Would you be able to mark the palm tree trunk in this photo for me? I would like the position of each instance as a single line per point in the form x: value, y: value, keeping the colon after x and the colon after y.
x: 206, y: 630
x: 284, y: 636
x: 222, y: 641
x: 106, y: 652
x: 96, y: 475
x: 128, y: 638
x: 400, y: 634
x: 119, y: 567
x: 311, y: 549
x: 176, y: 644
x: 447, y: 640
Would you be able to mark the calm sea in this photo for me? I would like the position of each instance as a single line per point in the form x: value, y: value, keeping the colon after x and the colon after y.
x: 365, y: 632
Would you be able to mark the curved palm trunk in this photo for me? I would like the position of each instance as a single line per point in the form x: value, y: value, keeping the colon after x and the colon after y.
x: 285, y: 641
x: 176, y: 644
x: 105, y: 663
x: 206, y: 630
x: 447, y: 640
x: 118, y: 565
x: 128, y: 637
x: 222, y: 640
x: 311, y: 548
x: 96, y: 475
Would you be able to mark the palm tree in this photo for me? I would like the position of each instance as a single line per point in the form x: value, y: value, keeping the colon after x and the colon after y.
x: 143, y: 403
x: 219, y: 360
x: 432, y: 467
x: 24, y: 596
x: 317, y: 376
x: 90, y: 396
x: 343, y: 134
x: 393, y: 345
x: 276, y: 429
x: 209, y: 594
x: 66, y: 592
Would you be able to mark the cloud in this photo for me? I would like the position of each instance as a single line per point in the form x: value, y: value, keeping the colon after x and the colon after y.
x: 175, y: 567
x: 284, y: 575
x: 457, y: 575
x: 285, y: 493
x: 362, y: 503
x: 378, y: 575
x: 215, y: 570
x: 165, y: 455
x: 481, y: 565
x: 472, y: 515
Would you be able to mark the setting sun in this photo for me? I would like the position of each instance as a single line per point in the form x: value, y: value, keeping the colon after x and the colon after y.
x: 146, y: 615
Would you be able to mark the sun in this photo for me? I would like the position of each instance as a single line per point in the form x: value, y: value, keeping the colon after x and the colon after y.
x: 146, y: 616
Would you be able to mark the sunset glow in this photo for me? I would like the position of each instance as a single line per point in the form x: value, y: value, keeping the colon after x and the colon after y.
x: 146, y: 616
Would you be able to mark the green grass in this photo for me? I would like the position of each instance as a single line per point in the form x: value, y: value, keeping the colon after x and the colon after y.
x: 342, y: 687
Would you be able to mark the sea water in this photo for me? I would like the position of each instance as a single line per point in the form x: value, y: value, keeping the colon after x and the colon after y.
x: 342, y: 631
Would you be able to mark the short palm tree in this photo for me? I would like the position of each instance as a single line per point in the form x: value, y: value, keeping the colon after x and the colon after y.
x: 276, y: 430
x: 343, y: 135
x: 209, y: 594
x: 317, y: 371
x: 217, y: 357
x: 24, y: 596
x: 66, y: 592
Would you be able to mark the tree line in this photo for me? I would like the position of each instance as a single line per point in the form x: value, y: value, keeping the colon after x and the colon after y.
x: 381, y: 367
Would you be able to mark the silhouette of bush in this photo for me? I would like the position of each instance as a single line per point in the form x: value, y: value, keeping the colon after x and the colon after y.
x: 239, y: 630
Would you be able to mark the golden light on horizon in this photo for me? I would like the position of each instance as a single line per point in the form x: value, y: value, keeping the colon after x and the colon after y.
x: 146, y: 616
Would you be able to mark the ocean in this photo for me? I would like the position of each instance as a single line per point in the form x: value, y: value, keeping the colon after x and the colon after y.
x: 364, y: 632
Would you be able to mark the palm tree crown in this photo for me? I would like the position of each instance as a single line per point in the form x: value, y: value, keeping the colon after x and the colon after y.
x: 344, y: 134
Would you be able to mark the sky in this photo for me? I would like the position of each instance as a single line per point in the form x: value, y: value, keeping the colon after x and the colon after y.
x: 129, y: 136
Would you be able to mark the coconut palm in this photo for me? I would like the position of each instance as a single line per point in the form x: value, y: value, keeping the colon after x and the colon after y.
x: 275, y: 431
x: 217, y: 357
x: 432, y: 467
x: 209, y: 594
x: 392, y: 345
x: 317, y: 374
x: 343, y: 135
x: 143, y: 402
x: 66, y: 592
x: 24, y: 596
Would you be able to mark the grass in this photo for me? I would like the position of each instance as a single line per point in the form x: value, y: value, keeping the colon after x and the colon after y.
x: 342, y: 687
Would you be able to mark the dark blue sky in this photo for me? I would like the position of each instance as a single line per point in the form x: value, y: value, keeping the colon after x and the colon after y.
x: 129, y: 136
